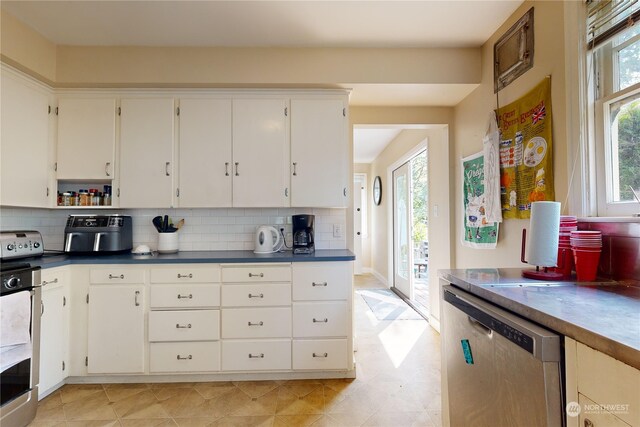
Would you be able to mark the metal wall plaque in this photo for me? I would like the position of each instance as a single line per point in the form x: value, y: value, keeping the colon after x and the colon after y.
x: 513, y: 52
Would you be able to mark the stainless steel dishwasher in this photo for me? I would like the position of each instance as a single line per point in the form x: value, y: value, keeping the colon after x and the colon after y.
x: 501, y: 369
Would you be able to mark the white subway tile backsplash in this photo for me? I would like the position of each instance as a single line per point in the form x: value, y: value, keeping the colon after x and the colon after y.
x: 204, y: 229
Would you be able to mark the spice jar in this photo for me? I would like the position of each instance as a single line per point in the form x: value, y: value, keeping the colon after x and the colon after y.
x: 106, y: 199
x: 65, y: 199
x: 75, y: 199
x: 95, y: 199
x: 84, y: 198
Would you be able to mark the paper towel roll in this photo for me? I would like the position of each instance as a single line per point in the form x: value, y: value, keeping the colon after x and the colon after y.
x: 543, y: 234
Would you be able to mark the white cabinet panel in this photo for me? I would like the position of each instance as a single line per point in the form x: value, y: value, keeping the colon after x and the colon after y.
x: 260, y: 153
x: 256, y: 355
x: 54, y: 332
x: 116, y: 329
x: 256, y: 295
x: 187, y: 273
x: 320, y: 319
x: 116, y: 275
x: 86, y: 138
x: 184, y: 357
x: 24, y: 151
x: 205, y: 153
x: 184, y: 296
x: 319, y: 153
x: 320, y: 354
x: 146, y: 152
x: 184, y: 325
x: 256, y: 322
x: 257, y: 273
x: 321, y: 281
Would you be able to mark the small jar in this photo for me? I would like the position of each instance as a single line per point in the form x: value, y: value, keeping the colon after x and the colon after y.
x: 84, y: 198
x: 106, y: 199
x: 65, y: 199
x: 75, y: 199
x: 95, y: 200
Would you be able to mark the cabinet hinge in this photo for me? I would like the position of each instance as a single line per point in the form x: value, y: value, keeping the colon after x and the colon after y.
x: 87, y: 298
x: 63, y: 366
x: 86, y: 361
x: 178, y: 111
x: 64, y: 301
x: 286, y: 111
x: 344, y: 112
x: 177, y: 192
x: 119, y: 111
x: 56, y: 111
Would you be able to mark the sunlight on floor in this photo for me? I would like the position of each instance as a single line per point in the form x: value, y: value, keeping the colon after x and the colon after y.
x: 398, y: 339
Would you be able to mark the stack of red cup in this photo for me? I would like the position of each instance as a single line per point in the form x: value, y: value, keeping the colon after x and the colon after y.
x: 586, y: 247
x: 565, y: 264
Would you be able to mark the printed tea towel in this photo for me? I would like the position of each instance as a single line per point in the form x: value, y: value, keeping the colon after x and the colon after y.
x: 491, y: 150
x: 478, y: 231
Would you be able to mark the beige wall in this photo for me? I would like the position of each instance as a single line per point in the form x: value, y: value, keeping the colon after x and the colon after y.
x: 471, y: 118
x: 366, y: 241
x: 26, y: 50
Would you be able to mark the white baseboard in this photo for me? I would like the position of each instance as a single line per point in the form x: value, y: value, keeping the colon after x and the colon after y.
x: 380, y: 277
x: 367, y: 270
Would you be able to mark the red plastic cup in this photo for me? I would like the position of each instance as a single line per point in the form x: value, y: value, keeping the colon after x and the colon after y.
x: 565, y: 262
x: 586, y: 262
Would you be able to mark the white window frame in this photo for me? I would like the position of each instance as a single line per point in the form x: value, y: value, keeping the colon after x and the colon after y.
x: 364, y: 202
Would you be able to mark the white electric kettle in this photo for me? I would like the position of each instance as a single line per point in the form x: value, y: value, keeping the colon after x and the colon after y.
x: 265, y: 243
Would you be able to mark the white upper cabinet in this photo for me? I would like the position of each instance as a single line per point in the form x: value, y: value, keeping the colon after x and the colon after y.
x: 319, y: 153
x: 260, y: 153
x: 205, y: 162
x: 86, y: 138
x: 24, y: 143
x: 146, y: 152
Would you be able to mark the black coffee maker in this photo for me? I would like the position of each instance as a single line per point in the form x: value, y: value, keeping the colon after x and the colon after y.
x: 303, y: 234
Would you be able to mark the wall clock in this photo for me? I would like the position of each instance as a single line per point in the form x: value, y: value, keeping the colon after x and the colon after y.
x: 377, y: 190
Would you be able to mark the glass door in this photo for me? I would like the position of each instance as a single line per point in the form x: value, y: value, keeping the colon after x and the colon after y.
x: 402, y: 245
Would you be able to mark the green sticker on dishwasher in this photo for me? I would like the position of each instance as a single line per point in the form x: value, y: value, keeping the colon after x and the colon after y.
x: 466, y: 350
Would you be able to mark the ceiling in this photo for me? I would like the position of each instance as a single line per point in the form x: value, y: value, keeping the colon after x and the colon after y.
x: 299, y: 23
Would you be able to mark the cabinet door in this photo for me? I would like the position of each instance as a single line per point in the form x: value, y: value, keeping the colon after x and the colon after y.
x: 86, y: 138
x: 205, y: 153
x: 146, y: 153
x: 24, y: 154
x: 54, y: 337
x: 260, y: 153
x: 319, y: 153
x: 116, y: 329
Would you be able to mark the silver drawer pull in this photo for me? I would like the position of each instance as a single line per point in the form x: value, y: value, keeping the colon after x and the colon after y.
x: 318, y: 284
x: 185, y: 276
x: 256, y: 356
x: 320, y: 321
x: 256, y: 275
x: 190, y: 296
x: 320, y: 355
x: 189, y: 357
x: 260, y: 323
x: 256, y: 296
x: 111, y: 276
x: 44, y: 282
x: 179, y: 326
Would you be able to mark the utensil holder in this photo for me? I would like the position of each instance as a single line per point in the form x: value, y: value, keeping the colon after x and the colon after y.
x: 167, y: 243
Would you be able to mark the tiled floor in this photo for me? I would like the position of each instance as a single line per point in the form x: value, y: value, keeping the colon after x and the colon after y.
x: 397, y: 384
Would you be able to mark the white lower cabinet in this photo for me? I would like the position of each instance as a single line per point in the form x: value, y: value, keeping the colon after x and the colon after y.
x: 320, y: 319
x: 116, y: 329
x: 184, y: 356
x: 185, y: 325
x: 320, y: 354
x: 54, y: 331
x: 263, y: 355
x: 256, y: 322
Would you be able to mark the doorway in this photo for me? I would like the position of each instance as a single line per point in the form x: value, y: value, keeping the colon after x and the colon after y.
x: 410, y: 232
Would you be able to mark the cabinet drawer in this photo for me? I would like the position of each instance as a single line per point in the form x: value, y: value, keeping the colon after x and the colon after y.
x: 189, y: 273
x: 324, y: 319
x: 54, y: 277
x: 597, y: 417
x: 185, y: 296
x: 322, y: 281
x: 184, y: 325
x: 184, y: 357
x: 256, y: 295
x: 256, y: 355
x: 606, y: 380
x: 256, y: 322
x: 256, y: 273
x: 116, y: 275
x: 320, y: 354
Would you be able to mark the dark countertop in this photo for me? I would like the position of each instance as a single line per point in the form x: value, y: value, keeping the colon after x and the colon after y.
x: 603, y: 315
x: 191, y: 257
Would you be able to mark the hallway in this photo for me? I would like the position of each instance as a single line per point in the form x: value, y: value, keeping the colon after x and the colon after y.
x: 397, y: 384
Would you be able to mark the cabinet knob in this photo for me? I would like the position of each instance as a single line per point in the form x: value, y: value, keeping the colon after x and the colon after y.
x: 189, y: 357
x: 114, y: 276
x: 320, y: 355
x: 44, y: 282
x: 256, y: 356
x: 166, y: 168
x: 320, y: 321
x: 226, y: 168
x: 106, y: 168
x: 256, y: 296
x: 588, y: 423
x: 318, y: 283
x: 256, y: 275
x: 179, y: 326
x: 185, y: 276
x: 135, y: 299
x: 190, y: 296
x: 260, y: 323
x: 294, y: 169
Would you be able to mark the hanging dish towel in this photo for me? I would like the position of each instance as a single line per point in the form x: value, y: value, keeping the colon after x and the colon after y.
x: 15, y: 319
x: 491, y: 151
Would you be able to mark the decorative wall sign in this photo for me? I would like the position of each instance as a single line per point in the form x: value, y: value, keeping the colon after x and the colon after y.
x: 477, y: 231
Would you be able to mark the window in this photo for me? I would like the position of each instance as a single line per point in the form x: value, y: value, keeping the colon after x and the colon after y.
x: 614, y: 77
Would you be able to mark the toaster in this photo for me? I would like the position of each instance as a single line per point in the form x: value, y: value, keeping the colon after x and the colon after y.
x: 98, y: 233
